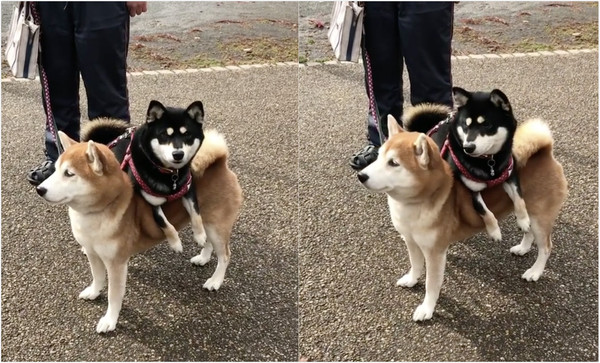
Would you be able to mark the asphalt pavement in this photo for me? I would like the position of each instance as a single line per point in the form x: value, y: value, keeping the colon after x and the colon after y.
x: 350, y: 255
x: 314, y: 255
x: 166, y: 315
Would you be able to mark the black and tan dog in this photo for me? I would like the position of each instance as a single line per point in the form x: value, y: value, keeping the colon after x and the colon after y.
x: 476, y: 141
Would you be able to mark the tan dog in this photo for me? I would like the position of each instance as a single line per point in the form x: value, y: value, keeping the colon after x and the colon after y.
x: 113, y: 223
x: 431, y: 210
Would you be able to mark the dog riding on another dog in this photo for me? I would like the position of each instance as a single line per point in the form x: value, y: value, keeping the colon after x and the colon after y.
x: 477, y: 142
x: 158, y: 155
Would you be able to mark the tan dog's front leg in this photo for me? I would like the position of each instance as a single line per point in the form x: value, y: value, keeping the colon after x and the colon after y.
x: 117, y: 278
x: 417, y: 262
x: 435, y: 261
x: 98, y: 277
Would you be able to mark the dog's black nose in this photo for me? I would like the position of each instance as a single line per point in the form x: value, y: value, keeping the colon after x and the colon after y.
x: 178, y: 155
x: 469, y: 148
x: 362, y: 177
x: 41, y: 191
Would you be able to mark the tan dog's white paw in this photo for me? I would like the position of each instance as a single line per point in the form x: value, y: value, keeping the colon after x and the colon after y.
x: 423, y: 312
x: 89, y: 293
x: 213, y: 284
x: 519, y: 250
x: 532, y: 274
x: 407, y: 281
x: 106, y: 324
x: 200, y: 260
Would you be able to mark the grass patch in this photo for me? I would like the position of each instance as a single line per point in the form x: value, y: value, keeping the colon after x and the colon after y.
x: 260, y: 50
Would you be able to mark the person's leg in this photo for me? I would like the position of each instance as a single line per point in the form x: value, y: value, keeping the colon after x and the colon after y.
x: 381, y: 41
x: 102, y: 39
x: 385, y: 55
x: 426, y: 37
x: 59, y: 63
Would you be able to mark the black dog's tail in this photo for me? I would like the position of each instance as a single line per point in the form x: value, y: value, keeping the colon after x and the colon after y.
x: 424, y: 117
x: 103, y: 130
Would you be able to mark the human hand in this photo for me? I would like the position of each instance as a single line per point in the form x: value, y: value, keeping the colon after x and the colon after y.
x: 137, y: 7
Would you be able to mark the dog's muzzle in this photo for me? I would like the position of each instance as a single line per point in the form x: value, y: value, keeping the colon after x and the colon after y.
x: 362, y: 177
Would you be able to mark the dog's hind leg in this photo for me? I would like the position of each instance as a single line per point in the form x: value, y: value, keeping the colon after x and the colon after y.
x: 167, y: 228
x: 491, y: 223
x: 417, y: 262
x: 190, y: 202
x: 117, y: 278
x: 525, y: 244
x: 544, y: 245
x: 513, y: 190
x: 220, y: 241
x: 98, y: 277
x: 435, y: 261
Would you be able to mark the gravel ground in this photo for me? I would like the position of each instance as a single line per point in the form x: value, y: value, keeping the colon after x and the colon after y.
x: 350, y: 255
x: 166, y: 315
x: 314, y: 255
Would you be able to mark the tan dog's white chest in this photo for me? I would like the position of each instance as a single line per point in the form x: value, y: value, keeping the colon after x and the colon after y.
x: 416, y: 223
x: 94, y: 232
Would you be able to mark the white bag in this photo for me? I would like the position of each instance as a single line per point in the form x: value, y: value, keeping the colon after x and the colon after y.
x: 23, y: 42
x: 345, y: 30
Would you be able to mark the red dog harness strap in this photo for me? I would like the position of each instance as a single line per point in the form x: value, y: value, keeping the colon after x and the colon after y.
x: 490, y: 183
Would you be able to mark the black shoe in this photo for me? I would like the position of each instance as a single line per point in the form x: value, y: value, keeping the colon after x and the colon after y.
x: 364, y: 157
x: 40, y: 173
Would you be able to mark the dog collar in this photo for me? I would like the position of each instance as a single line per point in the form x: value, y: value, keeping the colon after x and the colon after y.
x: 491, y: 163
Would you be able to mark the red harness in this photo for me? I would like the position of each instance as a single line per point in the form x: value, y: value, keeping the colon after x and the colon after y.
x: 128, y: 161
x: 491, y: 162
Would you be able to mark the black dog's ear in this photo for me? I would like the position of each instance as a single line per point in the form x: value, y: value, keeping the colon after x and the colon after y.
x: 461, y: 97
x: 155, y: 111
x: 196, y: 111
x: 499, y: 99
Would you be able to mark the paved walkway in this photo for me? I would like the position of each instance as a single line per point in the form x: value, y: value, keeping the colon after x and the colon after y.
x: 351, y: 256
x: 329, y: 294
x: 166, y: 314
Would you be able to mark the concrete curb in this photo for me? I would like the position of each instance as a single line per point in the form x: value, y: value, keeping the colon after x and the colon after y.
x: 163, y: 72
x: 331, y: 62
x: 476, y: 56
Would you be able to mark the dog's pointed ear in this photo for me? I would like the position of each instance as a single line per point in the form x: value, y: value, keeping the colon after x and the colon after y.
x: 461, y: 96
x: 421, y: 148
x: 65, y: 140
x: 155, y: 111
x: 499, y: 99
x: 196, y: 111
x: 93, y: 157
x: 393, y: 126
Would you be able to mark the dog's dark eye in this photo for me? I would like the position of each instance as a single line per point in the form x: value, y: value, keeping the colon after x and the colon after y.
x: 68, y: 174
x: 393, y: 163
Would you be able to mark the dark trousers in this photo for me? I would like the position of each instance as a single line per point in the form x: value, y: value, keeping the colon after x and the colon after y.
x: 90, y: 39
x: 418, y: 34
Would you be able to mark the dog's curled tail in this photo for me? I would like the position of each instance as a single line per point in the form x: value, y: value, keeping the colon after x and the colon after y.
x: 531, y: 137
x: 213, y: 149
x: 103, y: 130
x: 423, y: 117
